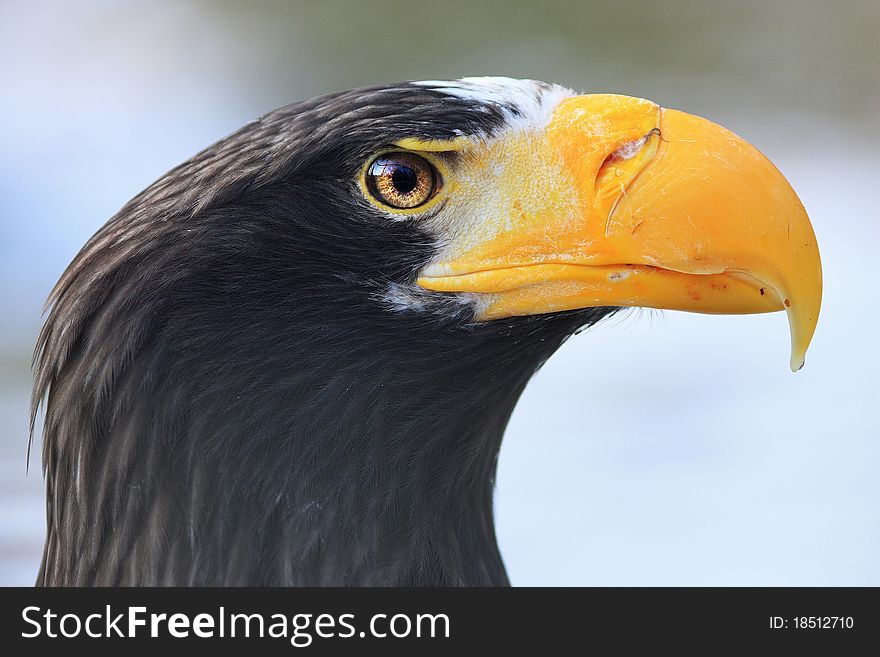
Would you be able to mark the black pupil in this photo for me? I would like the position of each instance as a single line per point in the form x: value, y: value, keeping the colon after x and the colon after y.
x: 404, y: 179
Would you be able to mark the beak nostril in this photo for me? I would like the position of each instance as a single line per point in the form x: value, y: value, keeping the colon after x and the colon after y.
x: 623, y: 164
x: 613, y: 166
x: 626, y: 152
x: 630, y: 149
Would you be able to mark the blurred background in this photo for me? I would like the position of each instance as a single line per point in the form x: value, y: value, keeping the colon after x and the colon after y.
x: 655, y: 449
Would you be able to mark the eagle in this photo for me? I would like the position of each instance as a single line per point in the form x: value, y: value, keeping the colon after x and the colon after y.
x: 291, y: 360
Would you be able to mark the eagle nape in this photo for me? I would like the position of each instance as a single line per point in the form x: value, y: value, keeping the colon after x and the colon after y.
x: 291, y: 360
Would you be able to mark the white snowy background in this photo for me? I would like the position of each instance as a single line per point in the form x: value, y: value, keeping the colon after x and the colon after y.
x: 655, y: 449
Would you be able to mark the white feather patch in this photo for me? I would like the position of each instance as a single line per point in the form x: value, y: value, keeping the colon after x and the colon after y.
x: 534, y: 101
x: 400, y: 297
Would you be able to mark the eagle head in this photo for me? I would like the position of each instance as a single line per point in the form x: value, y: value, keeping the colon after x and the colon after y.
x: 291, y: 359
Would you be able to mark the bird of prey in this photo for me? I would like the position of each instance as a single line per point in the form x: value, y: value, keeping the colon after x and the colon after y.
x: 291, y: 359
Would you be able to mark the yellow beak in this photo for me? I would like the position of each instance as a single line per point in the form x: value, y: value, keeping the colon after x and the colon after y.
x: 647, y: 207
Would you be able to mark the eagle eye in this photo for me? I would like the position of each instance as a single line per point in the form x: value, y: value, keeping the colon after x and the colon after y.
x: 402, y: 180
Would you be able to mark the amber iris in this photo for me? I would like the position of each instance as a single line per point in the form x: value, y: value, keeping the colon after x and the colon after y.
x: 402, y: 180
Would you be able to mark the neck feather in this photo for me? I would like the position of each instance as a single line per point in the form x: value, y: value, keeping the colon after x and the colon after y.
x: 335, y: 455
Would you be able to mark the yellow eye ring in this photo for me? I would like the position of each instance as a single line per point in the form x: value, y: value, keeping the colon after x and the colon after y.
x: 401, y: 180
